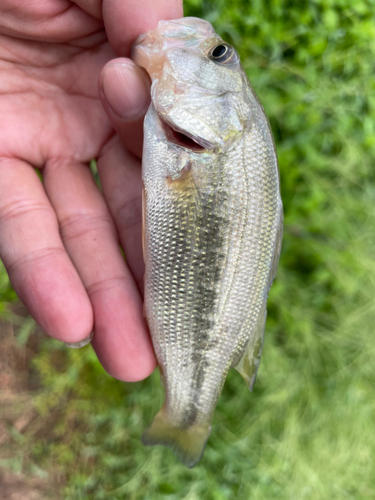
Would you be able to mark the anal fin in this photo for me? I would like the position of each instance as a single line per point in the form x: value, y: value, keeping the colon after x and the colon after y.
x: 249, y: 362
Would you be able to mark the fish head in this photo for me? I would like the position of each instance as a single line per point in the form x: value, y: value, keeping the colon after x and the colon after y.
x: 199, y: 88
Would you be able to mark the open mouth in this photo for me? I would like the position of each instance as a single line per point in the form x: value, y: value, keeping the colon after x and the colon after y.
x: 180, y: 139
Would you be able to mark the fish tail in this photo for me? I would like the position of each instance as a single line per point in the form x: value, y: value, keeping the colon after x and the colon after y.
x: 186, y: 443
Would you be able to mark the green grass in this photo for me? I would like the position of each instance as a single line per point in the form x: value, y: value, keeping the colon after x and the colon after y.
x: 307, y: 430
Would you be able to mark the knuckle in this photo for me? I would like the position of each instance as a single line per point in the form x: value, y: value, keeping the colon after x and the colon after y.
x: 17, y: 209
x: 78, y: 225
x: 106, y: 284
x: 34, y: 259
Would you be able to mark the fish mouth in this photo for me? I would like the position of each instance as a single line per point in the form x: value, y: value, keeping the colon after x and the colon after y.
x: 180, y: 138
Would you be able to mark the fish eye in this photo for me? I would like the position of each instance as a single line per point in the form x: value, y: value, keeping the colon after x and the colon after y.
x: 223, y: 53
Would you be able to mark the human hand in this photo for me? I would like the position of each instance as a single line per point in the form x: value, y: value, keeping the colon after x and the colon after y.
x: 60, y: 240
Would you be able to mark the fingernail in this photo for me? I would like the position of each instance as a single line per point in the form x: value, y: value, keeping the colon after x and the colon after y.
x: 125, y: 90
x: 81, y: 343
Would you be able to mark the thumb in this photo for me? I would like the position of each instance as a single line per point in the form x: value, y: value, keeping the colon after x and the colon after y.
x: 125, y: 93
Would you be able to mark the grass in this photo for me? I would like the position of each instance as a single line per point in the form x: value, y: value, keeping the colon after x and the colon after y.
x: 307, y: 430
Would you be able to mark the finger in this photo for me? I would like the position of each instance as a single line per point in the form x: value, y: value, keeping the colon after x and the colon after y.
x: 92, y: 7
x: 124, y: 89
x: 121, y: 339
x: 124, y: 21
x: 120, y: 175
x: 56, y: 21
x: 33, y: 254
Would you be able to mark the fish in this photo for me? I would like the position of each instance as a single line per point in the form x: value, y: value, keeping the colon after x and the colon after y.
x: 212, y: 224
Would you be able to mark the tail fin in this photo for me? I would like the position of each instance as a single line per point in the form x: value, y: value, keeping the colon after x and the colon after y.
x: 186, y: 443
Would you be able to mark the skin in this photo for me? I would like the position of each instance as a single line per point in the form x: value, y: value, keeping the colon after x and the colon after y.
x: 62, y: 103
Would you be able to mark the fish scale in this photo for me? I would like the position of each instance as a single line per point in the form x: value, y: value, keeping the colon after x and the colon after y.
x: 212, y: 225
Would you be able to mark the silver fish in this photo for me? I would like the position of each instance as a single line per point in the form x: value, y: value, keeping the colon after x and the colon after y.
x: 212, y: 224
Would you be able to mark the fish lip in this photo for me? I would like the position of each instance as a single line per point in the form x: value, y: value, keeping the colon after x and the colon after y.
x: 173, y: 135
x: 139, y: 39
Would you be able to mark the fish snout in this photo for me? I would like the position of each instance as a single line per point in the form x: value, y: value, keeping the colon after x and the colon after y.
x: 147, y: 52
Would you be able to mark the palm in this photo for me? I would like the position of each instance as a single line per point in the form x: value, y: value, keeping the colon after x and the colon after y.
x: 60, y: 241
x: 51, y: 106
